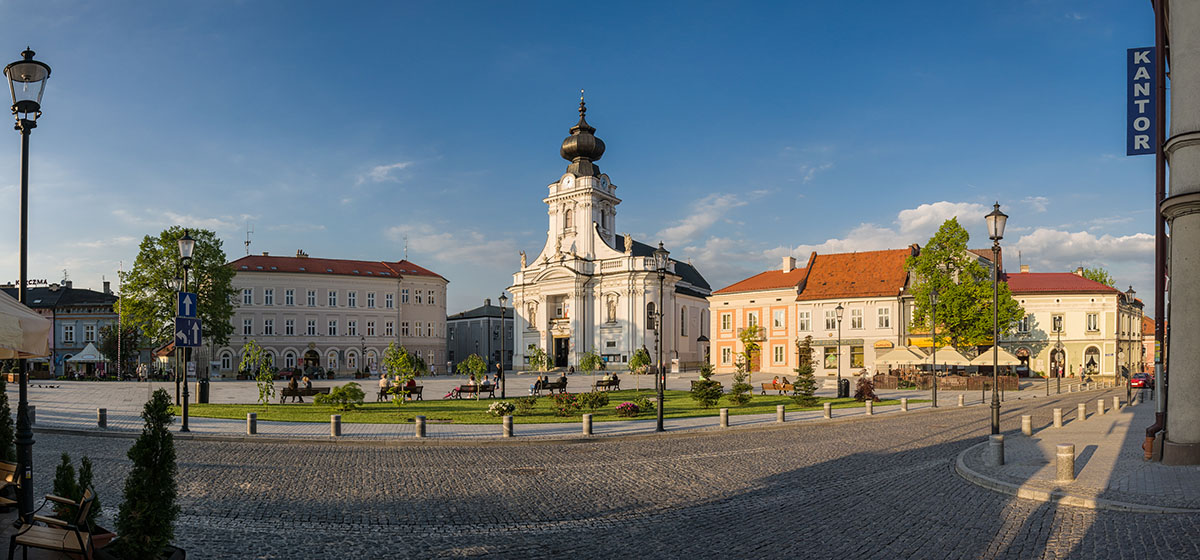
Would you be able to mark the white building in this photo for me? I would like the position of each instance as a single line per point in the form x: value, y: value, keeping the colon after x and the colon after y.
x: 590, y: 289
x: 333, y: 312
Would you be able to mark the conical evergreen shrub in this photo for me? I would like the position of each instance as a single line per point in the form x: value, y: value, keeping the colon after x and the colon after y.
x: 146, y: 519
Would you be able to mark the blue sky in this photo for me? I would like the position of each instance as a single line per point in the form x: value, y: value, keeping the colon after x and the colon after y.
x: 737, y: 132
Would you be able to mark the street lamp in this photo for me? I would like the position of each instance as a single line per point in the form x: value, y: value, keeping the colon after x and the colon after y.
x: 995, y: 224
x: 186, y: 246
x: 839, y: 310
x: 503, y: 333
x: 362, y: 352
x: 1129, y: 294
x: 31, y: 75
x: 1058, y: 374
x: 660, y: 265
x: 933, y: 299
x: 176, y: 284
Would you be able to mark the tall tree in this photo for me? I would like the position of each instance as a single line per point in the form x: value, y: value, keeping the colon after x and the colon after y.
x: 964, y: 307
x: 127, y: 352
x: 1099, y: 274
x: 149, y: 298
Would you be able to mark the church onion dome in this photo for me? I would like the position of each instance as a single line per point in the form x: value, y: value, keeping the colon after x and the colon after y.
x: 582, y: 148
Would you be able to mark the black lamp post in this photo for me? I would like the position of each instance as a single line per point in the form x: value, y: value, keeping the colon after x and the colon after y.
x: 186, y: 246
x: 503, y: 334
x: 31, y: 76
x: 177, y: 285
x: 839, y: 310
x: 996, y: 221
x: 362, y: 352
x: 933, y: 299
x: 660, y: 265
x: 1129, y: 294
x: 1061, y: 358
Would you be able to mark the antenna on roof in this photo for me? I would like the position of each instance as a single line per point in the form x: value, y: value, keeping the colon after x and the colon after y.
x: 1019, y: 259
x: 249, y: 230
x: 406, y: 247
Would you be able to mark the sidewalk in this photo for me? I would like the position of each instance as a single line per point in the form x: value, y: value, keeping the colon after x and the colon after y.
x: 1110, y: 470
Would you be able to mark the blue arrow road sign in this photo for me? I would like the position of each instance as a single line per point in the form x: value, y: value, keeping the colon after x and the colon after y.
x: 186, y: 305
x: 187, y: 332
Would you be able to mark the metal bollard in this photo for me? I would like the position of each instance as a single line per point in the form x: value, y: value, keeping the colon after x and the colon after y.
x: 1081, y: 413
x: 870, y: 407
x: 335, y: 425
x: 828, y: 410
x: 420, y: 422
x: 1116, y: 403
x: 903, y: 405
x: 1058, y: 418
x: 962, y: 400
x: 508, y: 426
x: 102, y: 417
x: 1065, y: 465
x: 996, y: 450
x: 587, y: 424
x: 779, y: 414
x: 1099, y: 407
x: 1027, y: 424
x: 724, y: 417
x: 251, y: 423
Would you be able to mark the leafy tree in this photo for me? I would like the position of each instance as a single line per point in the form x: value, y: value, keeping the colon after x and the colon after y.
x: 591, y: 362
x: 805, y: 385
x: 750, y: 349
x: 146, y: 518
x: 639, y: 363
x: 705, y: 391
x: 8, y: 451
x: 399, y: 363
x: 537, y: 358
x: 473, y: 365
x: 345, y: 397
x: 149, y: 299
x: 255, y: 362
x: 130, y: 340
x: 964, y: 308
x: 1099, y: 274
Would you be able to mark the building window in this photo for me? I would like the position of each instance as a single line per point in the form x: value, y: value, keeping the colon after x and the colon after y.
x: 389, y: 301
x: 352, y: 299
x: 831, y: 357
x: 1091, y: 360
x: 332, y: 298
x: 352, y: 328
x: 1093, y: 322
x: 89, y: 333
x: 856, y: 356
x: 856, y: 318
x: 370, y: 328
x: 333, y: 327
x: 429, y: 329
x: 417, y: 330
x: 1057, y: 323
x: 403, y: 328
x: 370, y: 300
x: 289, y: 360
x: 247, y: 296
x: 779, y: 319
x: 830, y: 319
x: 726, y: 356
x: 778, y: 350
x: 884, y: 320
x: 312, y: 327
x: 804, y: 320
x: 417, y: 295
x: 69, y: 334
x: 312, y: 298
x: 268, y: 327
x: 651, y: 318
x: 268, y: 296
x: 352, y: 360
x: 726, y: 321
x: 371, y: 359
x: 247, y: 327
x: 388, y: 328
x: 404, y: 296
x: 431, y: 298
x: 1023, y: 324
x: 226, y: 361
x: 331, y: 360
x: 289, y: 327
x: 289, y: 297
x: 683, y: 321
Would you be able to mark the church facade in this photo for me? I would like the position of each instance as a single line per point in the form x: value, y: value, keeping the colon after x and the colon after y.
x: 591, y: 289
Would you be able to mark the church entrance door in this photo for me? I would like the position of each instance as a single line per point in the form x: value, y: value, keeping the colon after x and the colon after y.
x: 561, y: 346
x: 311, y: 359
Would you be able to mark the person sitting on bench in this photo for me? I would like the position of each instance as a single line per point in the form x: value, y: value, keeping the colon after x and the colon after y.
x: 294, y: 387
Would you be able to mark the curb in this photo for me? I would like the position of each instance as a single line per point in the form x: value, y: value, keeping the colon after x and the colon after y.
x: 1056, y: 496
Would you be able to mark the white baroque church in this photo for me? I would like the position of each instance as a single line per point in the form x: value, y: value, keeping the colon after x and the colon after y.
x: 590, y: 289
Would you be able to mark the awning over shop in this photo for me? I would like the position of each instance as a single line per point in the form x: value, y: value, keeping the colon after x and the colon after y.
x: 23, y: 333
x: 1005, y: 358
x: 834, y: 342
x: 902, y: 356
x: 884, y: 344
x: 948, y: 356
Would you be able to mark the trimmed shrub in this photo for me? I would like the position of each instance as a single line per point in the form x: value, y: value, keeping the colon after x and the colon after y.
x: 345, y: 397
x: 146, y: 518
x: 627, y: 410
x: 501, y: 408
x: 566, y: 404
x: 865, y: 390
x: 593, y: 400
x: 525, y: 405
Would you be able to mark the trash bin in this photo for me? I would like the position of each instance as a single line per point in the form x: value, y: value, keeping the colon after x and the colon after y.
x: 843, y: 391
x: 202, y: 391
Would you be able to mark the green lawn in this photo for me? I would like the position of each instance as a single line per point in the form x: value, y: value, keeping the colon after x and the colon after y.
x: 679, y: 404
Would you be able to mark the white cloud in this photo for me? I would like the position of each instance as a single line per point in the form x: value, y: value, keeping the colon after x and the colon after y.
x: 704, y: 213
x: 382, y: 173
x: 456, y: 245
x: 920, y: 223
x: 157, y: 218
x: 1036, y: 203
x: 1062, y: 250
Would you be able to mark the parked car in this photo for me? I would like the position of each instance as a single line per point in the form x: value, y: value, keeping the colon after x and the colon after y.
x: 1142, y: 380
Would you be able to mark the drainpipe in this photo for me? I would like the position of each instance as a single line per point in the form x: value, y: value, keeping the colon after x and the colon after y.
x: 1160, y: 239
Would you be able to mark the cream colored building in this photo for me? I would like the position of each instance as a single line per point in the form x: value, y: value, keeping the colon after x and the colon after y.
x: 336, y: 313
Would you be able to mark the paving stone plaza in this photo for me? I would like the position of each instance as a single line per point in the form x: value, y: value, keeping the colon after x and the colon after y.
x: 883, y: 486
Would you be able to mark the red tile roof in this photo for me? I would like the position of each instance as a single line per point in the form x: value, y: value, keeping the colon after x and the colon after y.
x: 1147, y: 325
x: 769, y: 280
x: 266, y: 263
x: 1055, y: 282
x: 846, y: 275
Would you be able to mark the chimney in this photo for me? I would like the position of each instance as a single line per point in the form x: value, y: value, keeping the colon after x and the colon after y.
x: 67, y: 283
x: 107, y: 289
x: 1079, y: 271
x: 789, y: 264
x: 300, y: 254
x: 266, y: 254
x: 1024, y: 268
x: 487, y: 302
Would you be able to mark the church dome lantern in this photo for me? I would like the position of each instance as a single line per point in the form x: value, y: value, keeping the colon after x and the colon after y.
x: 582, y: 147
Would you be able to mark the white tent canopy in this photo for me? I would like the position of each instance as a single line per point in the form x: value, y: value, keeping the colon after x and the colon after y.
x: 88, y: 354
x: 902, y: 356
x: 947, y: 356
x: 985, y: 358
x: 23, y: 333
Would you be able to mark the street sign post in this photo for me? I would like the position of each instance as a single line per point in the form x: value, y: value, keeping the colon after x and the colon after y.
x: 187, y: 332
x: 186, y: 305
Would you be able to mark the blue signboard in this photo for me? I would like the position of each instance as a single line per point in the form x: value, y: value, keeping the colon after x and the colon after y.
x: 1142, y: 132
x: 187, y: 332
x: 186, y: 305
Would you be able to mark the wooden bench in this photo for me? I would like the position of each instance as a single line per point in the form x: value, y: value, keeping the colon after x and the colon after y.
x: 8, y: 477
x: 551, y: 386
x: 72, y: 537
x: 458, y: 392
x: 300, y: 393
x: 607, y: 385
x: 414, y: 393
x: 786, y: 387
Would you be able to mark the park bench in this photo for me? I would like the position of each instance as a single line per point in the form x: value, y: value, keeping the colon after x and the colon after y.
x: 414, y: 393
x: 551, y: 386
x: 607, y: 384
x: 8, y: 477
x: 301, y: 392
x: 71, y: 537
x: 782, y: 388
x: 458, y: 392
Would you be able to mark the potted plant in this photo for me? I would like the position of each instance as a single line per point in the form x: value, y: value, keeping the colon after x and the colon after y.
x: 67, y: 485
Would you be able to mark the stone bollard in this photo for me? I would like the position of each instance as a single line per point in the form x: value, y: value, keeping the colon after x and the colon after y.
x: 251, y: 423
x: 1058, y: 418
x: 587, y: 424
x: 870, y: 407
x: 1065, y: 465
x: 32, y: 414
x: 962, y: 400
x: 828, y: 410
x: 996, y: 450
x: 1027, y: 424
x: 904, y: 405
x: 1099, y: 407
x: 779, y: 414
x: 1116, y: 403
x: 724, y: 417
x: 102, y: 417
x: 508, y: 426
x: 420, y: 423
x: 335, y: 425
x: 1081, y: 412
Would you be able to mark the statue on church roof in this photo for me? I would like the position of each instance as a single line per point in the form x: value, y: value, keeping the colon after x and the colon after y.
x: 628, y: 244
x: 522, y: 259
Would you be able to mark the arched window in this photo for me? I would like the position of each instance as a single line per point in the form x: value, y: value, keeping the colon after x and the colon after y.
x: 269, y: 358
x: 226, y: 361
x: 289, y: 360
x: 352, y: 360
x: 371, y: 359
x: 1091, y: 360
x: 650, y: 318
x: 331, y: 360
x: 568, y: 218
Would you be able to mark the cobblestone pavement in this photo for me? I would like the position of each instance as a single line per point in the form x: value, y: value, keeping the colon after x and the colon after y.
x: 879, y: 487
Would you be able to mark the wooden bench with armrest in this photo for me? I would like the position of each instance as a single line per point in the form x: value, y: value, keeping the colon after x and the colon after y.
x: 71, y: 537
x: 414, y: 393
x: 301, y: 392
x: 459, y: 391
x: 551, y: 386
x: 607, y: 384
x: 781, y: 387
